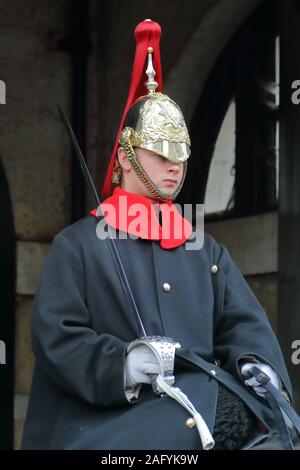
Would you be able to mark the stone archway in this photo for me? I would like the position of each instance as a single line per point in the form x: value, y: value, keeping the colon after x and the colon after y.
x: 187, y: 79
x: 7, y: 312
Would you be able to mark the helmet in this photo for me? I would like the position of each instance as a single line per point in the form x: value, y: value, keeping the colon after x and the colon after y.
x: 152, y: 122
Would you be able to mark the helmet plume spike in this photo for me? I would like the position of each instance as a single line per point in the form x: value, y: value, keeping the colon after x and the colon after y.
x: 151, y: 83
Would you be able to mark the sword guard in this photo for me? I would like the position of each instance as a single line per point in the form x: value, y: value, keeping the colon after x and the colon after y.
x: 164, y: 349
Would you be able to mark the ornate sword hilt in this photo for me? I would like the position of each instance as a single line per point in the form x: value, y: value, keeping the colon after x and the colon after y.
x: 164, y: 349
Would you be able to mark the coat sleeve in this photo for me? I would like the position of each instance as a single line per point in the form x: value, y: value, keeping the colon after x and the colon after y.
x: 242, y: 326
x: 82, y: 362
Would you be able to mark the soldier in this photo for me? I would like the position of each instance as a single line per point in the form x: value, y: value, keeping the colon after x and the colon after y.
x: 104, y: 377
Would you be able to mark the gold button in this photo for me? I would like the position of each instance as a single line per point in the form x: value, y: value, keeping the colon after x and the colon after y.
x: 166, y: 287
x: 190, y: 423
x: 214, y: 269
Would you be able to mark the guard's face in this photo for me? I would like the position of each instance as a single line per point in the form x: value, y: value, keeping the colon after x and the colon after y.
x: 164, y: 174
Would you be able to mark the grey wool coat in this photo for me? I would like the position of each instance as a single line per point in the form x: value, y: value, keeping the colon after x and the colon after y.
x: 82, y: 325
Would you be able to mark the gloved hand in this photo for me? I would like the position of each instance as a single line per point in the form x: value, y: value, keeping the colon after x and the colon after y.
x: 252, y: 382
x: 140, y: 362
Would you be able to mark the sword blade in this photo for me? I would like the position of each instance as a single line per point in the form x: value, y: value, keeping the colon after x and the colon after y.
x: 82, y: 163
x: 110, y: 240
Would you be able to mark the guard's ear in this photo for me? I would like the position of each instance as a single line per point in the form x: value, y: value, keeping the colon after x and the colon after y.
x: 123, y: 160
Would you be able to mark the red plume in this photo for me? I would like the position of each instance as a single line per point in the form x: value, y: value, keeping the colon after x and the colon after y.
x: 147, y: 34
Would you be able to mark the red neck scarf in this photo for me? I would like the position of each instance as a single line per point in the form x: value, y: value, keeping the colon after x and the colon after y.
x: 137, y: 215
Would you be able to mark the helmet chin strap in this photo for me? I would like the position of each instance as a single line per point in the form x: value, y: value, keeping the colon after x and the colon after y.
x: 144, y: 177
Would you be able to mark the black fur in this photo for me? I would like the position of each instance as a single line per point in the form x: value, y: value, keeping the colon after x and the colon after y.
x: 234, y: 423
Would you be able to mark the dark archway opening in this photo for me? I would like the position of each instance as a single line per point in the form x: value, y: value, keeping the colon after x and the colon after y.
x: 244, y: 72
x: 7, y: 313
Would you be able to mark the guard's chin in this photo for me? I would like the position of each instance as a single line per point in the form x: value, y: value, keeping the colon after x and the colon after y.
x: 169, y: 191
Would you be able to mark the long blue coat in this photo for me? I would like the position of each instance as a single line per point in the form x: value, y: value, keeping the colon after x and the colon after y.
x: 82, y: 324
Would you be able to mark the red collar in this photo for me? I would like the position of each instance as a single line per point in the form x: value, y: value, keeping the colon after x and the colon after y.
x: 136, y: 215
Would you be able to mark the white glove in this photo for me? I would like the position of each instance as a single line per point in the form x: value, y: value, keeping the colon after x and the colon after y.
x: 252, y: 382
x: 140, y: 362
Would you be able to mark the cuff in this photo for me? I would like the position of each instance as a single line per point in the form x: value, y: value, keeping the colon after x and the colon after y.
x: 247, y: 358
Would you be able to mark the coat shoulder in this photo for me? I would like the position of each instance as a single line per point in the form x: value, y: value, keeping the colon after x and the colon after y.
x: 211, y: 247
x: 210, y: 242
x: 80, y: 231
